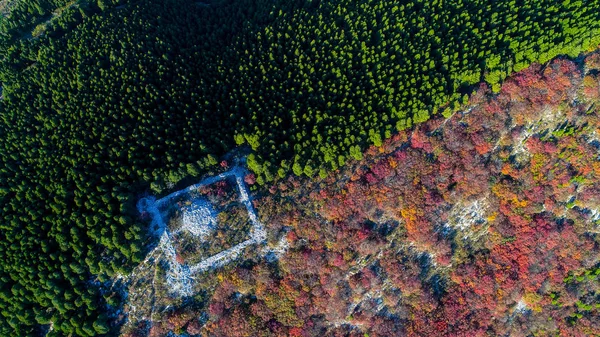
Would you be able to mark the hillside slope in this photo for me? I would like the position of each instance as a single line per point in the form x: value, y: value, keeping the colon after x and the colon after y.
x: 486, y: 223
x: 114, y: 98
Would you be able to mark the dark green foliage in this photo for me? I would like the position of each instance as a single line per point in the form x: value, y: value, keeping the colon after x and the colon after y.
x: 583, y: 286
x: 22, y: 15
x: 22, y: 19
x: 106, y: 104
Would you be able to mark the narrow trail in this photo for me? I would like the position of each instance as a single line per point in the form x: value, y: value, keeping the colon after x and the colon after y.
x: 180, y: 275
x: 146, y: 286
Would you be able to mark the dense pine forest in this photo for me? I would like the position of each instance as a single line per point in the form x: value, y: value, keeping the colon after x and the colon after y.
x: 105, y: 101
